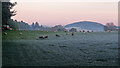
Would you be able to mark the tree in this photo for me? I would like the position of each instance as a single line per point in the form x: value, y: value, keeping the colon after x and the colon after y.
x: 73, y: 30
x: 109, y: 26
x: 6, y: 12
x: 41, y: 26
x: 59, y: 28
x: 36, y: 25
x: 13, y: 24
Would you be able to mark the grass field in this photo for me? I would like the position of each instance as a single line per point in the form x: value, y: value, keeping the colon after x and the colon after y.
x: 89, y: 49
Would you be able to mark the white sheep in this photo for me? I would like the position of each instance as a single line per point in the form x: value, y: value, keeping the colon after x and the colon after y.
x: 20, y: 33
x: 5, y: 33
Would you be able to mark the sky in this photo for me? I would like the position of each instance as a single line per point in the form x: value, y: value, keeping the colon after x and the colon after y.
x: 62, y: 12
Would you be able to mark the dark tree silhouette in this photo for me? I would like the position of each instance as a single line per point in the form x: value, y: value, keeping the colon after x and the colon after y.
x: 36, y: 25
x: 6, y: 11
x: 110, y: 26
x: 73, y: 30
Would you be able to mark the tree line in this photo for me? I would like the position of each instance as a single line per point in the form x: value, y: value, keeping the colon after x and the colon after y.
x: 21, y: 25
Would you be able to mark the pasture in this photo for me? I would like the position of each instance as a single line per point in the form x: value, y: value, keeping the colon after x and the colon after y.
x: 89, y: 49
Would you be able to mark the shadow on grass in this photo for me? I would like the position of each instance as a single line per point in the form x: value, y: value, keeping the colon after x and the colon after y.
x: 101, y: 60
x: 62, y: 46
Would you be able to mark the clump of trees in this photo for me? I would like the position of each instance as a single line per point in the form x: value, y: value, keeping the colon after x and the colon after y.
x: 109, y: 26
x: 73, y: 30
x: 35, y: 26
x: 20, y: 25
x: 7, y: 13
x: 59, y: 28
x: 14, y: 24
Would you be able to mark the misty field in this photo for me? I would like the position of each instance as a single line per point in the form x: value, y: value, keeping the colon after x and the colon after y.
x: 89, y: 49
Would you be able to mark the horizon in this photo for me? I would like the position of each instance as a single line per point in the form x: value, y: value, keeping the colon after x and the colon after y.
x: 68, y: 24
x: 63, y: 13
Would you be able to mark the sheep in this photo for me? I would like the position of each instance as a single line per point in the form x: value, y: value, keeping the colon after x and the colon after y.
x: 72, y: 33
x: 5, y: 33
x: 43, y: 37
x: 66, y: 32
x: 20, y: 33
x: 57, y: 35
x: 83, y: 31
x: 88, y: 31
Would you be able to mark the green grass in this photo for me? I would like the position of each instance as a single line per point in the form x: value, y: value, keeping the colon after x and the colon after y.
x: 90, y: 49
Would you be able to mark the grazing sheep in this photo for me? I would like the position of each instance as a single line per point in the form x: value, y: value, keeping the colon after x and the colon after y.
x: 72, y: 33
x: 88, y: 31
x: 5, y: 33
x: 20, y: 33
x: 43, y: 37
x: 57, y: 35
x: 66, y: 32
x: 83, y: 31
x: 91, y: 31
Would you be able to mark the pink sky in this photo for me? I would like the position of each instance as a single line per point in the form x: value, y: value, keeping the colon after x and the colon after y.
x: 54, y: 13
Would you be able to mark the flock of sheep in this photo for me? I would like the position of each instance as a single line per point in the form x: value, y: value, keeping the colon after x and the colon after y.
x: 57, y: 35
